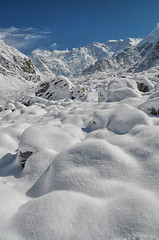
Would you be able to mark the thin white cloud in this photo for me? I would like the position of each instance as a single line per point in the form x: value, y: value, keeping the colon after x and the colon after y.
x: 54, y: 46
x: 24, y: 39
x: 4, y: 32
x: 157, y: 24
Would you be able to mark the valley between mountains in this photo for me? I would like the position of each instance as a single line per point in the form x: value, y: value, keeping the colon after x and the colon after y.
x: 79, y: 142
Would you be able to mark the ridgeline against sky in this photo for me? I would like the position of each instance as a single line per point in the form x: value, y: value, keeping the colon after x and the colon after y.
x: 28, y: 25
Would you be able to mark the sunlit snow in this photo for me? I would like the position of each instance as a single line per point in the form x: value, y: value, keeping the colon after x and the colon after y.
x: 79, y: 159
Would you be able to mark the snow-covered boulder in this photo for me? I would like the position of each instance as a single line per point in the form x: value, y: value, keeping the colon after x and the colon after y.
x: 48, y: 136
x: 60, y: 88
x: 118, y: 90
x: 91, y: 185
x: 78, y: 92
x: 55, y: 89
x: 121, y: 93
x: 125, y: 117
x: 151, y: 106
x: 10, y: 106
x: 120, y: 120
x: 38, y: 144
x: 143, y: 83
x: 81, y: 168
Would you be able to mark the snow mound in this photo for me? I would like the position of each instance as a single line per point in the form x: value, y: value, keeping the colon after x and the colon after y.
x: 55, y: 89
x: 39, y: 145
x: 89, y: 162
x: 125, y: 117
x: 119, y: 120
x: 154, y: 95
x: 117, y: 90
x: 49, y: 137
x: 116, y: 95
x: 151, y: 106
x: 145, y: 80
x: 70, y: 215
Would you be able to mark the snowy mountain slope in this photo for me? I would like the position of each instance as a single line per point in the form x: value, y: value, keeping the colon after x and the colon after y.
x: 12, y: 88
x: 149, y: 51
x: 151, y: 59
x: 118, y: 45
x: 17, y: 73
x: 14, y: 63
x: 139, y: 57
x: 152, y: 39
x: 124, y: 61
x: 73, y: 62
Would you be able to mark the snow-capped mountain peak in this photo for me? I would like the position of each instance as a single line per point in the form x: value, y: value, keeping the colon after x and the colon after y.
x: 118, y: 45
x: 139, y: 55
x: 73, y: 62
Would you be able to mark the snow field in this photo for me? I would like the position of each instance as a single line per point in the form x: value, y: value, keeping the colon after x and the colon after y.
x: 92, y: 170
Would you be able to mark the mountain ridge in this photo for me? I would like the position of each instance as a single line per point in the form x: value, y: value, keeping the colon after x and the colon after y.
x: 73, y: 62
x: 130, y: 54
x: 16, y: 64
x: 136, y: 58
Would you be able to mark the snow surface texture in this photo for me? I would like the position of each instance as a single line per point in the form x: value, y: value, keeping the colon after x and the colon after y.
x: 79, y: 159
x: 89, y: 169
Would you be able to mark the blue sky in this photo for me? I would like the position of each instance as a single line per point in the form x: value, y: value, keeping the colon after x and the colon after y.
x: 66, y: 24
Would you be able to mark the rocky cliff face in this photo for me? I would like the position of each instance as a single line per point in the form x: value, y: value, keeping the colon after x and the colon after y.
x: 151, y: 60
x: 135, y: 58
x: 14, y: 63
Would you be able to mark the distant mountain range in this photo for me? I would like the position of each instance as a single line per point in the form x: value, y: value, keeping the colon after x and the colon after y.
x: 137, y: 58
x: 73, y: 62
x: 129, y: 54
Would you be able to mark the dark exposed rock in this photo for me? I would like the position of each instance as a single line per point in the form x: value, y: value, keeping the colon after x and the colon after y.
x: 142, y: 87
x: 28, y: 103
x: 43, y: 87
x: 94, y: 123
x: 24, y: 157
x: 154, y: 111
x: 28, y: 67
